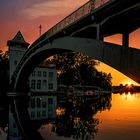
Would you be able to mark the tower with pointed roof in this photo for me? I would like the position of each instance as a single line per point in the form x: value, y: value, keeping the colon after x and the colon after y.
x: 17, y: 48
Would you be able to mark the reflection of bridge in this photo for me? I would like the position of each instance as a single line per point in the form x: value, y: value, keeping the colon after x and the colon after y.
x: 83, y: 31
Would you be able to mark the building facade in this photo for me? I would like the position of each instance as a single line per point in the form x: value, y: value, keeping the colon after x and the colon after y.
x: 42, y: 107
x: 43, y: 79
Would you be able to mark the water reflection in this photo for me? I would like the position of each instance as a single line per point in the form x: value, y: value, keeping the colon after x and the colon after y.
x: 3, y: 117
x: 3, y: 112
x: 116, y: 116
x: 76, y: 118
x: 130, y: 96
x: 123, y: 120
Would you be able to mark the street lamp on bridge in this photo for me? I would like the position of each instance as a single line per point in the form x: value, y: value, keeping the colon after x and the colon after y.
x: 40, y: 29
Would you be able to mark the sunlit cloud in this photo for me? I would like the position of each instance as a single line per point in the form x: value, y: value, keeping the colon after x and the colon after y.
x: 51, y: 8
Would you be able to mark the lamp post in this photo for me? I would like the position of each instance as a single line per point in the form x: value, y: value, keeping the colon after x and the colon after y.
x: 40, y: 28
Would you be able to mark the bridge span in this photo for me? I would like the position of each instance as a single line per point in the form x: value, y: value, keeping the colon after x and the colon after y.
x: 123, y: 59
x: 82, y: 31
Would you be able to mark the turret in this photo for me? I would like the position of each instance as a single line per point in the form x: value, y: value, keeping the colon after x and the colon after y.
x: 17, y: 48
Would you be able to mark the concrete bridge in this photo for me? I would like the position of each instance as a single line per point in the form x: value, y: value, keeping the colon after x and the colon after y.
x: 83, y: 31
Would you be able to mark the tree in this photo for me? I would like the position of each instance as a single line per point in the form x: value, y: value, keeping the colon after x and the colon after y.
x: 4, y: 83
x: 4, y: 72
x: 76, y: 68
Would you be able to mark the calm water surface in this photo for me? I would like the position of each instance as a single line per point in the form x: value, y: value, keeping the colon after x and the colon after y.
x: 117, y: 118
x: 120, y: 122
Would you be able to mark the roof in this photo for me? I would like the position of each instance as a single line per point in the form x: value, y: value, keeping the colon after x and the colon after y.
x: 19, y: 40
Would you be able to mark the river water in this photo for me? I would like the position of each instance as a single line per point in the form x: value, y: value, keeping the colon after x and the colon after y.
x: 114, y: 117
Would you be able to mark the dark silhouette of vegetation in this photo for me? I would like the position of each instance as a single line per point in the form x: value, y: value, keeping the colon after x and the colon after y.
x: 78, y: 69
x: 78, y: 119
x: 4, y: 83
x: 4, y: 72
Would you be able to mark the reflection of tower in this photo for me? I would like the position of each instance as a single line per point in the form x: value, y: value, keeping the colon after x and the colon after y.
x: 17, y: 47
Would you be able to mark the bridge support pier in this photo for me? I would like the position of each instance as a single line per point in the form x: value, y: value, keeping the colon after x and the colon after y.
x: 99, y: 33
x: 125, y: 39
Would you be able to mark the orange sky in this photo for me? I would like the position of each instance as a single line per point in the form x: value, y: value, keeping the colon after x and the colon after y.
x: 27, y: 15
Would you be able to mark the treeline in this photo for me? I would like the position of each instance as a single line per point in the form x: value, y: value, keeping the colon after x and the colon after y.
x: 78, y: 69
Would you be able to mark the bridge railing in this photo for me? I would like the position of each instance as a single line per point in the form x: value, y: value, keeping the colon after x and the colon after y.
x: 75, y: 16
x: 72, y: 18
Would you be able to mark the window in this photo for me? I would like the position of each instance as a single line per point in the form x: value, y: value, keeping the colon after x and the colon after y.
x: 32, y: 114
x: 14, y: 125
x: 33, y: 103
x: 50, y: 74
x: 38, y: 114
x: 50, y: 85
x: 50, y: 112
x: 38, y: 84
x: 44, y: 104
x: 15, y: 134
x: 19, y: 134
x: 44, y: 83
x: 39, y: 73
x: 38, y: 102
x: 44, y: 113
x: 33, y: 84
x: 15, y: 62
x: 28, y: 82
x: 44, y: 73
x: 33, y: 74
x: 50, y: 101
x: 16, y: 52
x: 49, y: 109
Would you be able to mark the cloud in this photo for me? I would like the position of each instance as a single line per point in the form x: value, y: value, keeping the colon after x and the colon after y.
x: 52, y: 8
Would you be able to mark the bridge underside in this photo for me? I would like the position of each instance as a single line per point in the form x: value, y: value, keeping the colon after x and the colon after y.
x: 123, y: 59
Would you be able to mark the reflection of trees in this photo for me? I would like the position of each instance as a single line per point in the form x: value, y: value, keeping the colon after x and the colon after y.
x: 105, y: 103
x: 78, y: 120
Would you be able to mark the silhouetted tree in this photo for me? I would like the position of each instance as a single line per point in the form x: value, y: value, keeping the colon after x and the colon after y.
x: 4, y: 72
x: 76, y: 68
x: 4, y: 82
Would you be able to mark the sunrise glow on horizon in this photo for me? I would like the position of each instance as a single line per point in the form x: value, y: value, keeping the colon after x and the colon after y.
x: 117, y: 77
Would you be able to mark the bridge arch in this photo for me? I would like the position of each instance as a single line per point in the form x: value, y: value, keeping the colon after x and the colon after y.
x: 125, y: 60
